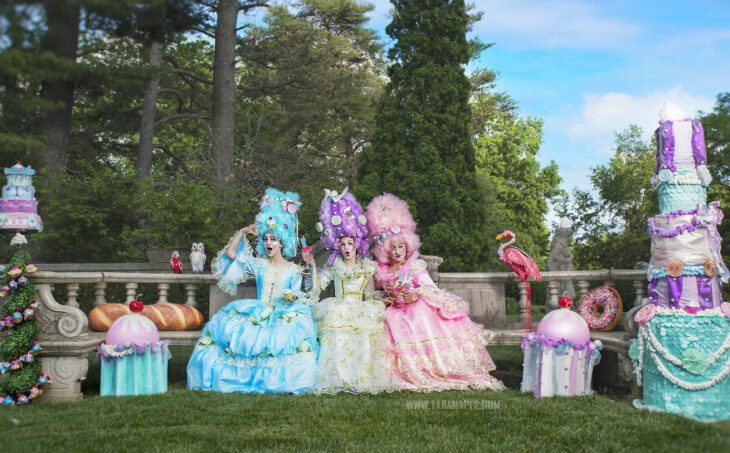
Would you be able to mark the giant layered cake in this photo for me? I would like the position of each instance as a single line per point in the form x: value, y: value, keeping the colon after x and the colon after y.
x: 18, y: 206
x: 681, y: 355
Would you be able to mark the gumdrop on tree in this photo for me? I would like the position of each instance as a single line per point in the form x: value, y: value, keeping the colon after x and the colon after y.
x: 21, y: 378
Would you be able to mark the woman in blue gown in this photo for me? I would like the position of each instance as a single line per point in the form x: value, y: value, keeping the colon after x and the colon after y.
x: 267, y: 344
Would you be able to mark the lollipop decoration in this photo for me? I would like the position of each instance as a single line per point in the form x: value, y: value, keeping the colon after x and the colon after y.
x: 523, y: 266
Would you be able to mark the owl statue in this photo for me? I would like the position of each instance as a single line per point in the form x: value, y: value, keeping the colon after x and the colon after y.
x: 197, y: 257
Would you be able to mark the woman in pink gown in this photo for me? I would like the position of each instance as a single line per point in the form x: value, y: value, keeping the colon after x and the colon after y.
x: 434, y: 344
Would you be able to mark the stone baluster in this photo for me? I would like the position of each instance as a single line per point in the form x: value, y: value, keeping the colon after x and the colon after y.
x: 131, y: 292
x: 190, y: 289
x: 522, y: 304
x: 583, y: 286
x: 163, y: 287
x: 639, y: 286
x: 99, y: 293
x: 553, y: 290
x: 72, y: 294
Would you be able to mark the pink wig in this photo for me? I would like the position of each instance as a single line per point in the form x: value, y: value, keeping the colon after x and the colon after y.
x: 389, y: 219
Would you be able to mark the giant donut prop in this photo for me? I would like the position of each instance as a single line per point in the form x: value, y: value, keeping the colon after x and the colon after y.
x: 601, y: 308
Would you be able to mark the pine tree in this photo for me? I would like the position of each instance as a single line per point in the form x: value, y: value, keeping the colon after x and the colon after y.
x: 422, y: 148
x: 18, y: 349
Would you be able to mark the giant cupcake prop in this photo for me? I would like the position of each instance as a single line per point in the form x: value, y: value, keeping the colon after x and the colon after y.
x: 133, y: 359
x: 682, y: 353
x: 560, y: 357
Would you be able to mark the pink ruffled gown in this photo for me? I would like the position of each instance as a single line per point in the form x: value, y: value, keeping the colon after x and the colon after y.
x: 434, y: 344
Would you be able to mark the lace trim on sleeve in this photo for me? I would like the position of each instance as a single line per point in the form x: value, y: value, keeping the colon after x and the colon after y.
x: 230, y: 273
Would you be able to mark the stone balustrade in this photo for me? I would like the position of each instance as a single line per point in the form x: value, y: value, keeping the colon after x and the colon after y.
x: 486, y: 291
x: 67, y: 340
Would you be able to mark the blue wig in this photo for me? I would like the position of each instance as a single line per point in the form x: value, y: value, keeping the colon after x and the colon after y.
x: 278, y: 215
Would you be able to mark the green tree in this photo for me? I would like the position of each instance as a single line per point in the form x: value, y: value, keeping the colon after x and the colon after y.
x: 506, y: 149
x: 610, y: 221
x: 422, y: 147
x: 717, y: 139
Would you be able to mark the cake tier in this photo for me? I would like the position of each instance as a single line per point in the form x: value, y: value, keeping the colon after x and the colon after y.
x: 13, y: 192
x: 681, y: 197
x: 30, y: 206
x: 682, y: 238
x: 20, y: 221
x: 698, y: 291
x: 684, y: 362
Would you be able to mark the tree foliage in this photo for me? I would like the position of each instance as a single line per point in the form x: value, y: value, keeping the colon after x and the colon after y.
x: 611, y: 219
x: 506, y: 149
x: 422, y: 147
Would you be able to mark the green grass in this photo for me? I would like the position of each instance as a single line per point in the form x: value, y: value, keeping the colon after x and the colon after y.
x: 508, y: 421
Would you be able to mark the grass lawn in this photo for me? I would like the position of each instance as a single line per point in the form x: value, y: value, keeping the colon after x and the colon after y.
x: 508, y: 421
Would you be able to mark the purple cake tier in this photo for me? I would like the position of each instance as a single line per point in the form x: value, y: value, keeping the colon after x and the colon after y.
x: 27, y: 206
x: 680, y: 292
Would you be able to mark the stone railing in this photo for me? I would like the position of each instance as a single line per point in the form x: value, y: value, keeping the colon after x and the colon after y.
x: 486, y: 291
x: 67, y: 340
x: 63, y: 329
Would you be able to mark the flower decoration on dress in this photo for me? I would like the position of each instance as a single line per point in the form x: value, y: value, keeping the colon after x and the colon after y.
x: 279, y: 216
x: 340, y: 215
x: 674, y: 267
x: 388, y: 217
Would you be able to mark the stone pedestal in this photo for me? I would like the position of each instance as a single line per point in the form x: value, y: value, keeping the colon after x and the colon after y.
x: 63, y: 333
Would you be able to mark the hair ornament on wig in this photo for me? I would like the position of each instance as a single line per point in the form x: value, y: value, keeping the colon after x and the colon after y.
x: 388, y: 217
x: 339, y: 216
x: 278, y: 216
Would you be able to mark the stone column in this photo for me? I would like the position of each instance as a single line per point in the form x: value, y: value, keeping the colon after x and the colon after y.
x: 63, y: 333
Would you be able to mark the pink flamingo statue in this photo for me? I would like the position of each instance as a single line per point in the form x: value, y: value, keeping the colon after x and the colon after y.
x: 523, y: 266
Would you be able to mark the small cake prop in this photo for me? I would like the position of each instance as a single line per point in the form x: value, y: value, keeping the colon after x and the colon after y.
x: 133, y: 359
x: 601, y: 308
x: 18, y: 206
x: 560, y: 357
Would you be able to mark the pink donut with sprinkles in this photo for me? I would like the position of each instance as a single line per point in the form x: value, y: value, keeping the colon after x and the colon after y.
x: 601, y: 308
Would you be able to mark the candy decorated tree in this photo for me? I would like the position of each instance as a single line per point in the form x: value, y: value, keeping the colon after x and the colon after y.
x: 21, y: 377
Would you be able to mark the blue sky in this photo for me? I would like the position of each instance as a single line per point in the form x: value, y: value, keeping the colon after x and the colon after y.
x: 590, y: 68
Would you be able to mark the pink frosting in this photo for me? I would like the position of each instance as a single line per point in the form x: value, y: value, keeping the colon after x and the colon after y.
x: 565, y: 324
x: 19, y: 221
x: 132, y: 328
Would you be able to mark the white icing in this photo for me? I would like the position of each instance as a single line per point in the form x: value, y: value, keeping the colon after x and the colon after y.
x: 683, y: 158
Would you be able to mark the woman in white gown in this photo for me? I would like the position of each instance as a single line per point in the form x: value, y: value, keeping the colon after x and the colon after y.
x: 351, y: 328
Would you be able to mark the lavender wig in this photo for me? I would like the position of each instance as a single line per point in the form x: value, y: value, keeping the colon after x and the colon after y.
x: 340, y: 215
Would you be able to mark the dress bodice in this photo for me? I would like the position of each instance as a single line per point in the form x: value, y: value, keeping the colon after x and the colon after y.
x: 271, y: 282
x: 350, y: 282
x: 413, y: 271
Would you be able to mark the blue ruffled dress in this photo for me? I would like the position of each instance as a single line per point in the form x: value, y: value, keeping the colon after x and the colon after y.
x: 262, y: 345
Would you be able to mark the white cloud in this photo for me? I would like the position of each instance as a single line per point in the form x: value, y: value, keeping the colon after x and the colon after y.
x: 561, y: 23
x: 539, y: 23
x: 602, y: 115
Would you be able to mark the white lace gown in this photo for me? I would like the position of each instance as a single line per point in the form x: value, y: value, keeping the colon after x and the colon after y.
x: 351, y: 329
